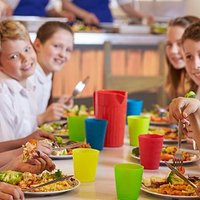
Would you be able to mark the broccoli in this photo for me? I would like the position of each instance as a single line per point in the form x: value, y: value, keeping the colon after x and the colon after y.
x: 11, y: 177
x: 174, y: 179
x: 190, y: 94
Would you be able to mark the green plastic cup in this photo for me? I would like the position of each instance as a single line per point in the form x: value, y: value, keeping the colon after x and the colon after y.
x: 76, y: 126
x: 137, y: 125
x: 128, y: 180
x: 85, y: 164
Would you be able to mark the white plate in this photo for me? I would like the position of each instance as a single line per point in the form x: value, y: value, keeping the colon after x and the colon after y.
x: 62, y: 157
x: 143, y: 188
x: 195, y: 157
x: 54, y: 192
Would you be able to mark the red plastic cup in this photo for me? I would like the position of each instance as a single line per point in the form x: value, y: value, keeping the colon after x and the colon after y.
x: 111, y: 106
x: 150, y: 147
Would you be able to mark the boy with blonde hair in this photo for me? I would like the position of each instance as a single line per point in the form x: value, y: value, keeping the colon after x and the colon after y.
x: 18, y: 109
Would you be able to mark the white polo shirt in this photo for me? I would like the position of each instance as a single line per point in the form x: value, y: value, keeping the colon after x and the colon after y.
x: 43, y: 84
x: 18, y: 108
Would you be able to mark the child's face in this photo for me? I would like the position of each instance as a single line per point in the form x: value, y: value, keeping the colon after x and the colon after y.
x: 174, y: 47
x: 192, y: 59
x: 17, y: 59
x: 55, y: 52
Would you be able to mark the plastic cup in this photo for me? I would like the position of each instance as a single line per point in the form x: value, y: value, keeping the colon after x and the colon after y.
x: 76, y: 126
x: 137, y: 125
x: 150, y: 147
x: 95, y: 132
x: 134, y: 107
x: 85, y: 164
x: 128, y: 180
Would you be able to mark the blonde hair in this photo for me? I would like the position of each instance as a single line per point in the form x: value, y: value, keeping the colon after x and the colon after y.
x: 12, y: 30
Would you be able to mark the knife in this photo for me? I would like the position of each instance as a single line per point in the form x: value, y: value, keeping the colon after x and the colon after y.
x: 180, y: 175
x: 49, y: 182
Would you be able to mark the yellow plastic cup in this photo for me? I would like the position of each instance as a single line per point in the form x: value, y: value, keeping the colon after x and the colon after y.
x: 137, y: 125
x: 85, y: 164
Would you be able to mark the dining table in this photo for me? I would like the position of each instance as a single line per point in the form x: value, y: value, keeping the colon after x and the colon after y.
x: 103, y: 188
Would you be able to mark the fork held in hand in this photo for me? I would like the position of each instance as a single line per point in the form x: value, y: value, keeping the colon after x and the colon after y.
x: 178, y: 156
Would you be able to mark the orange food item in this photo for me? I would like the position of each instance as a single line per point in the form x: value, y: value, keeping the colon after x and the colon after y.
x: 181, y: 169
x: 166, y: 157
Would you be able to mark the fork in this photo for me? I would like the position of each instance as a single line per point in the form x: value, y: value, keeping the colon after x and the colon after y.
x: 178, y: 156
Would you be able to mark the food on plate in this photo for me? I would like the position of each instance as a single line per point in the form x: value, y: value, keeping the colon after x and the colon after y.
x: 81, y: 27
x: 168, y: 133
x: 81, y: 110
x: 11, y: 177
x: 27, y: 180
x: 170, y: 184
x: 29, y: 149
x: 68, y: 151
x: 57, y: 128
x: 156, y: 118
x: 167, y: 154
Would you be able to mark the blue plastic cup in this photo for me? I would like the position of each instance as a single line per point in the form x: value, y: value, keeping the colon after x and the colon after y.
x: 95, y: 132
x: 134, y: 107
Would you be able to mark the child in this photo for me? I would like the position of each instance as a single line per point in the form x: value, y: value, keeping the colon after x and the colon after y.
x: 191, y: 48
x: 53, y: 46
x: 178, y: 82
x: 18, y: 117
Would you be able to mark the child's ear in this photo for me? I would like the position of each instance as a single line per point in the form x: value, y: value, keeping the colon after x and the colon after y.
x: 37, y: 44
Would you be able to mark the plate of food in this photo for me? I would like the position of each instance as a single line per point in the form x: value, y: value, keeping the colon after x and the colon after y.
x: 167, y: 154
x: 58, y: 128
x: 81, y: 110
x: 26, y: 180
x: 170, y: 186
x: 170, y: 134
x: 65, y: 151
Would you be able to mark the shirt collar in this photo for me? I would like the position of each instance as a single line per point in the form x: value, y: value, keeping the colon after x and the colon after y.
x: 14, y: 85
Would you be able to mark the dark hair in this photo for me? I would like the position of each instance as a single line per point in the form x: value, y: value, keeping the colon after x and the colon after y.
x: 192, y: 32
x: 49, y: 28
x: 174, y: 76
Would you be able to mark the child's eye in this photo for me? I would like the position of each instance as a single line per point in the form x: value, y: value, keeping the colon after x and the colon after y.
x: 27, y: 49
x: 168, y: 44
x: 14, y: 56
x: 188, y: 57
x: 68, y: 50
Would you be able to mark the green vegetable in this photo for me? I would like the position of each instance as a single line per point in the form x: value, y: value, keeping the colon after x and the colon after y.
x: 135, y: 151
x: 59, y: 140
x: 190, y: 94
x: 11, y: 177
x: 58, y: 173
x: 174, y: 179
x: 47, y: 128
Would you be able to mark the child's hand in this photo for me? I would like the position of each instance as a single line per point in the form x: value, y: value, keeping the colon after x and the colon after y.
x: 54, y: 112
x: 8, y: 191
x: 180, y: 108
x: 67, y: 100
x: 36, y: 165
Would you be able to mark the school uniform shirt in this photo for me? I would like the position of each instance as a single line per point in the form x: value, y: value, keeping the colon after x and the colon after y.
x: 31, y: 8
x: 43, y: 84
x: 18, y: 109
x: 98, y: 7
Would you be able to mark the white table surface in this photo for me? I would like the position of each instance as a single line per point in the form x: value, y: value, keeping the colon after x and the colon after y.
x: 104, y: 186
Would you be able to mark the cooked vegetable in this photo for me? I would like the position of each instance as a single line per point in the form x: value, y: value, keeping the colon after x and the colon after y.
x: 190, y: 94
x: 174, y: 179
x: 59, y: 140
x: 11, y: 177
